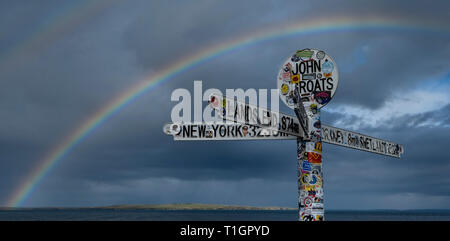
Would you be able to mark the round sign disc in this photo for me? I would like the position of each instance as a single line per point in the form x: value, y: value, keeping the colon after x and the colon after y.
x: 312, y: 72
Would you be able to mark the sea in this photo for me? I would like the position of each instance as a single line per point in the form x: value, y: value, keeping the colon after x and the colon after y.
x: 99, y: 214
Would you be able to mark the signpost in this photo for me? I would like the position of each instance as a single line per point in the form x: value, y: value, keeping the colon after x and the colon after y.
x: 307, y: 81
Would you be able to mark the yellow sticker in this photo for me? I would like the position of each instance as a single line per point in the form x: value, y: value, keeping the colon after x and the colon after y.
x: 295, y: 79
x: 318, y: 147
x: 284, y: 89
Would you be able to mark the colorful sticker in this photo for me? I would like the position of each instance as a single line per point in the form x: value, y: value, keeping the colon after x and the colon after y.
x: 289, y: 100
x: 309, y: 76
x: 284, y: 89
x: 295, y: 79
x: 313, y: 108
x: 314, y: 157
x: 316, y: 170
x: 309, y: 146
x: 176, y: 129
x: 322, y: 97
x: 304, y: 178
x: 327, y: 68
x: 287, y: 68
x: 320, y: 54
x: 245, y: 130
x: 214, y: 101
x: 295, y: 58
x: 306, y: 166
x: 286, y: 77
x: 309, y: 180
x: 308, y: 202
x: 318, y: 147
x: 305, y: 53
x: 314, y: 136
x: 317, y: 124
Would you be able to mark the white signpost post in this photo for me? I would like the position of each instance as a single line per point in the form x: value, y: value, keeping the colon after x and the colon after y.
x: 307, y: 81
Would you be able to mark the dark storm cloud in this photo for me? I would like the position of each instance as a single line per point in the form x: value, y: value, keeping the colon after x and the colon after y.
x: 59, y: 87
x: 420, y: 173
x: 129, y: 160
x: 372, y: 65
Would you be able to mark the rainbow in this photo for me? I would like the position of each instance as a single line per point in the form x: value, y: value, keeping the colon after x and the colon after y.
x: 312, y: 26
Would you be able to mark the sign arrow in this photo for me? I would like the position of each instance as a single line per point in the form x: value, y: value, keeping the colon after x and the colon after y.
x: 238, y: 131
x: 232, y: 111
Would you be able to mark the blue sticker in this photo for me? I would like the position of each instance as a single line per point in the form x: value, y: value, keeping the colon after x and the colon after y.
x: 306, y: 166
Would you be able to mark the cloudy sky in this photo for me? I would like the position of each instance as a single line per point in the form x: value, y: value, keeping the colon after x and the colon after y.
x: 63, y: 61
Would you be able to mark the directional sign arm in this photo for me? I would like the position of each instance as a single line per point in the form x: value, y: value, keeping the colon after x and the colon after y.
x: 243, y: 113
x: 237, y: 131
x: 355, y: 140
x: 222, y: 131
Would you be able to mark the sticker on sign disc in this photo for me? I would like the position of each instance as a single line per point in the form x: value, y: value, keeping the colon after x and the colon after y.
x: 295, y: 79
x: 284, y: 89
x: 310, y: 71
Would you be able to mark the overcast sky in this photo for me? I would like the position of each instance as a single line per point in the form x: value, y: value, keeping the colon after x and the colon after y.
x: 62, y: 61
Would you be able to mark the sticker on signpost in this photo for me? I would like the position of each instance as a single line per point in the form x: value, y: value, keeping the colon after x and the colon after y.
x: 312, y: 72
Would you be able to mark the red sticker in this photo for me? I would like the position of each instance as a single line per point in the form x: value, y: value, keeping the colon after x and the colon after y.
x: 314, y: 157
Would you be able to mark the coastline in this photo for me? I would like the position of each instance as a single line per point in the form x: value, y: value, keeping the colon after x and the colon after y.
x: 182, y: 206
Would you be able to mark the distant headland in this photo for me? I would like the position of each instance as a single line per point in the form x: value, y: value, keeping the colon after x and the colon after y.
x: 193, y: 206
x: 179, y: 206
